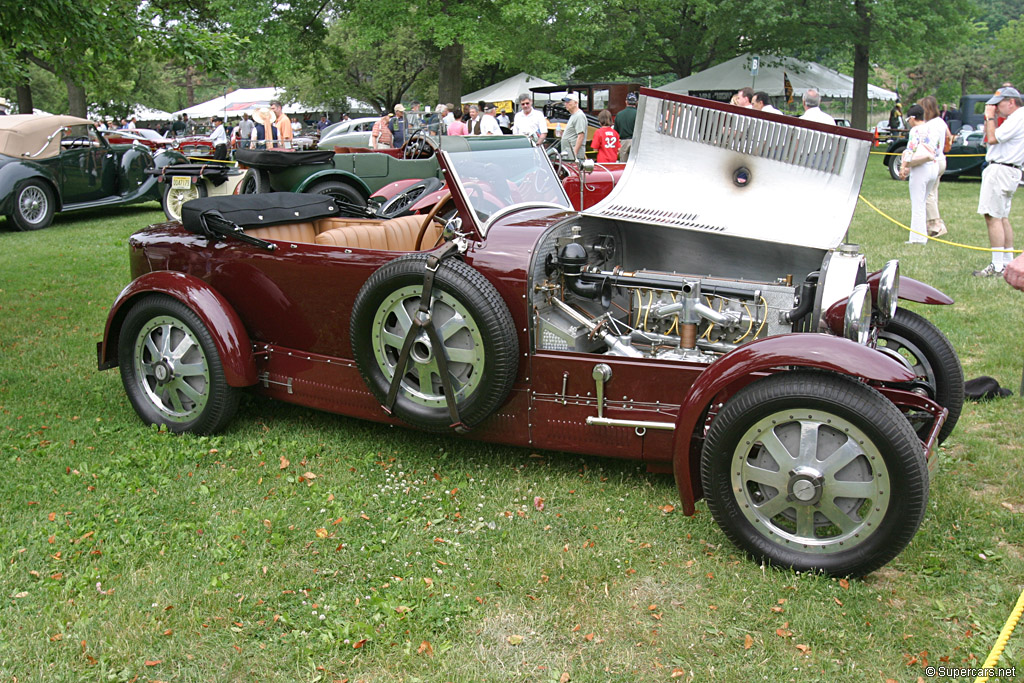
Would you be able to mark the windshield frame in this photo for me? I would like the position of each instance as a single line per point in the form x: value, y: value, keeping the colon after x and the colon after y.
x: 455, y: 165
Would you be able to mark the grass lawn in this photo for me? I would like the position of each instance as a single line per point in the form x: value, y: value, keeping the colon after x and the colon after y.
x: 302, y: 546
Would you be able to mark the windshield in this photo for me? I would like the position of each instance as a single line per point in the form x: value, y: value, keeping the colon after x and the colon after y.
x: 496, y: 179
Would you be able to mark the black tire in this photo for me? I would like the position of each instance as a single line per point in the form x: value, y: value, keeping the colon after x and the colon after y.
x: 401, y: 203
x: 350, y: 200
x: 481, y: 342
x: 786, y: 510
x: 174, y: 199
x: 895, y: 163
x: 255, y: 181
x: 933, y: 359
x: 33, y: 207
x: 188, y: 393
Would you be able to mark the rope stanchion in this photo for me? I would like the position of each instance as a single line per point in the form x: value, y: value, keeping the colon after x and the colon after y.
x: 1004, y: 636
x: 934, y: 239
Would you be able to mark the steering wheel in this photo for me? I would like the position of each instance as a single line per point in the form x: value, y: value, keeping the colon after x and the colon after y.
x: 430, y: 218
x: 418, y: 146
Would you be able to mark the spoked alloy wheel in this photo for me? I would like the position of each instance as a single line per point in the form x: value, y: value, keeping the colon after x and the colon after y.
x: 170, y: 368
x: 815, y: 471
x: 33, y: 206
x: 458, y: 331
x: 174, y: 198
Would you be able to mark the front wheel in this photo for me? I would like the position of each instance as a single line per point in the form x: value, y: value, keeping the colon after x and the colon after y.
x: 33, y: 206
x: 933, y: 359
x: 815, y: 472
x: 171, y: 370
x: 175, y: 197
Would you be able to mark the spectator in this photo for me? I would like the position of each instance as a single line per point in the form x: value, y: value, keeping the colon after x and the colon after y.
x: 919, y: 163
x: 457, y: 127
x: 178, y: 126
x: 398, y: 126
x: 3, y: 106
x: 380, y: 134
x: 743, y: 97
x: 503, y: 120
x: 474, y: 120
x: 439, y: 121
x: 812, y: 111
x: 244, y: 131
x: 219, y: 138
x: 450, y: 115
x: 895, y: 117
x: 285, y: 133
x: 1001, y: 177
x: 131, y: 123
x: 488, y: 122
x: 190, y: 125
x: 323, y: 123
x: 575, y: 133
x: 529, y: 121
x: 606, y: 140
x: 625, y: 122
x: 762, y: 102
x: 346, y: 117
x: 940, y: 133
x: 264, y: 132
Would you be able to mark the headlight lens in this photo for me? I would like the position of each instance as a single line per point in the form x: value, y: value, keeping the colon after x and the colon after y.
x: 888, y: 291
x: 857, y: 323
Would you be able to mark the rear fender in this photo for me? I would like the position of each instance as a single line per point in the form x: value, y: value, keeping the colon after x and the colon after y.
x: 226, y: 328
x: 912, y: 290
x: 748, y: 363
x: 333, y: 174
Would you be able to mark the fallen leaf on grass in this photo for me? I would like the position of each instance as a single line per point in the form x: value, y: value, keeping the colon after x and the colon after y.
x: 564, y: 678
x: 748, y: 642
x: 589, y: 637
x: 359, y: 643
x: 844, y: 584
x: 515, y: 640
x: 321, y: 533
x: 677, y: 672
x: 22, y: 594
x: 804, y: 649
x: 52, y: 516
x: 152, y: 662
x: 56, y: 636
x: 425, y: 648
x: 284, y: 462
x: 429, y: 581
x: 784, y: 632
x: 666, y: 509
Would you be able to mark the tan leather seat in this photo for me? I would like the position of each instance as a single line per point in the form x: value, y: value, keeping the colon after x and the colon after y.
x: 397, y: 234
x: 289, y: 232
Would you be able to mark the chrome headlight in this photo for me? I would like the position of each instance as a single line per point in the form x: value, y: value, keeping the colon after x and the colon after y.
x: 857, y: 322
x: 888, y: 291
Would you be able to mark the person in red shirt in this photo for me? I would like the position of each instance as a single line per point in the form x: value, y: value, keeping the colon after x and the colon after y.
x: 606, y: 140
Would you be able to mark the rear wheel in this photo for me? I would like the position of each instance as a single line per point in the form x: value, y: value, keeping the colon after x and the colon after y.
x: 171, y: 370
x: 33, y: 206
x: 350, y: 200
x: 255, y: 181
x: 895, y: 164
x: 815, y: 472
x: 174, y: 198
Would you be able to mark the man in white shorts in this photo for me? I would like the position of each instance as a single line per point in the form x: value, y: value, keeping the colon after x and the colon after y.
x: 1001, y: 177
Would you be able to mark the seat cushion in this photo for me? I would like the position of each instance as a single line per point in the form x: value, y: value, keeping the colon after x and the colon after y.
x: 289, y: 232
x: 397, y: 234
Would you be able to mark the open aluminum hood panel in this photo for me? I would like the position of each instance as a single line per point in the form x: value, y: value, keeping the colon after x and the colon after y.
x: 707, y: 166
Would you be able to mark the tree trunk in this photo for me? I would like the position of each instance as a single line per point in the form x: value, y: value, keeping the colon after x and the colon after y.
x: 24, y: 91
x: 76, y: 98
x: 449, y: 86
x: 190, y: 90
x: 861, y: 66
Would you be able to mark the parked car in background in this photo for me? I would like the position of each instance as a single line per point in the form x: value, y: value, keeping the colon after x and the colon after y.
x: 351, y: 133
x: 146, y: 136
x: 687, y: 321
x: 199, y: 146
x: 63, y: 163
x: 965, y: 158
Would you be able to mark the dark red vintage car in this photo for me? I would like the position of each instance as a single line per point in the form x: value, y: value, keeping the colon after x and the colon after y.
x: 675, y: 323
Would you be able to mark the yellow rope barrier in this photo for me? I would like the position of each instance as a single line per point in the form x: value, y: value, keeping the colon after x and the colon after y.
x: 934, y: 239
x: 1004, y: 635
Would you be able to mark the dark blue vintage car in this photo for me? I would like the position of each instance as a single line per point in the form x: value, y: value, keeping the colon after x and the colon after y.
x: 63, y: 163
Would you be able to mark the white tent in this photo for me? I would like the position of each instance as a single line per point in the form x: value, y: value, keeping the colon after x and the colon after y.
x: 505, y: 93
x: 245, y: 99
x: 721, y: 81
x: 144, y: 113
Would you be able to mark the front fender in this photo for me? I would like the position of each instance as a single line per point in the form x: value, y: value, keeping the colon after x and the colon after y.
x: 912, y: 290
x: 226, y: 328
x: 333, y: 174
x: 167, y: 157
x: 738, y: 368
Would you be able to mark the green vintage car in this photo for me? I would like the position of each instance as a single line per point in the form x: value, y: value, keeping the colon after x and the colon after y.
x: 63, y: 163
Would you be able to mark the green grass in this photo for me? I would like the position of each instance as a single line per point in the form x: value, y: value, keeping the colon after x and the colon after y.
x: 130, y: 554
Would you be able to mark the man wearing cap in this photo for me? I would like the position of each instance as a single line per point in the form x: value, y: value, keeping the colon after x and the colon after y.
x: 398, y: 126
x: 625, y: 122
x: 575, y: 134
x: 3, y: 106
x: 489, y: 124
x: 219, y: 138
x: 1000, y: 178
x: 529, y: 121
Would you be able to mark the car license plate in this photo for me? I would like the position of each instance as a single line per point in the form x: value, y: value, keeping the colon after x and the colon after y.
x: 181, y: 182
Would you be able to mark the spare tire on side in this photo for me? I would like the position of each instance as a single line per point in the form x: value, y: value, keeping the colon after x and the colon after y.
x: 401, y: 204
x: 473, y: 322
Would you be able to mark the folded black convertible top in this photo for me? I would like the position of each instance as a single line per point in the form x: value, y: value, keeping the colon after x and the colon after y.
x: 270, y: 159
x: 254, y: 210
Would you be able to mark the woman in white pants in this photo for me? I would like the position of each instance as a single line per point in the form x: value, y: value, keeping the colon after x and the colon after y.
x: 933, y: 119
x: 920, y: 165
